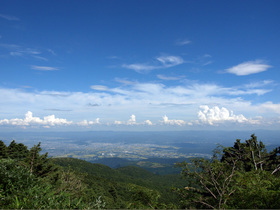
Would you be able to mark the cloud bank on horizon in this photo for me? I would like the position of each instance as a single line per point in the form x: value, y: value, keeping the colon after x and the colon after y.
x: 107, y: 65
x: 207, y: 115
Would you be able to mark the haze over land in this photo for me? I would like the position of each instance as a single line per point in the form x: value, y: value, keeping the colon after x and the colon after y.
x: 139, y: 65
x: 150, y: 146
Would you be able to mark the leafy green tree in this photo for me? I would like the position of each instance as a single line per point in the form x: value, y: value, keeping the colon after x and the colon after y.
x: 41, y: 165
x: 252, y: 155
x: 256, y: 190
x: 212, y: 183
x: 142, y: 197
x: 3, y: 150
x: 17, y: 151
x: 234, y: 175
x: 21, y: 189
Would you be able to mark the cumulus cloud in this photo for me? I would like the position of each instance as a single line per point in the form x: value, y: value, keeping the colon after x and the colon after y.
x: 44, y: 68
x: 29, y: 120
x: 148, y: 122
x: 249, y: 67
x: 132, y: 120
x: 172, y: 122
x: 216, y: 115
x: 88, y: 123
x: 148, y: 100
x: 47, y: 121
x: 118, y: 122
x: 162, y: 62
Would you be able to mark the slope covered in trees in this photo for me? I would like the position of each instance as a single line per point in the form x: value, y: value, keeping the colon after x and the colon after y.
x: 74, y: 183
x: 242, y: 176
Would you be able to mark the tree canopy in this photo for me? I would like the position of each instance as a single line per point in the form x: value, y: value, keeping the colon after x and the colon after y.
x: 242, y: 176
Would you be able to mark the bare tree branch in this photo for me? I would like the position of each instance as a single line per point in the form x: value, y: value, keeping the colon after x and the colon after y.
x: 275, y: 170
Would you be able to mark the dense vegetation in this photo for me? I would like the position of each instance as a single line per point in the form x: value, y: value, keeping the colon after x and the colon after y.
x: 242, y: 176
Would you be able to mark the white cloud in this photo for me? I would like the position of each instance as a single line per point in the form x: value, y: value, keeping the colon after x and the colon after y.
x: 148, y: 122
x: 118, y: 122
x: 29, y: 120
x: 183, y: 42
x: 99, y: 87
x: 132, y: 120
x: 169, y: 61
x: 168, y: 77
x: 144, y: 100
x: 140, y: 67
x: 172, y: 122
x: 216, y: 115
x: 17, y: 50
x: 28, y: 51
x: 47, y: 121
x: 249, y: 67
x: 16, y: 53
x: 51, y: 51
x: 125, y: 81
x: 163, y: 62
x: 9, y: 17
x: 44, y: 68
x: 271, y: 106
x: 40, y: 58
x: 88, y: 123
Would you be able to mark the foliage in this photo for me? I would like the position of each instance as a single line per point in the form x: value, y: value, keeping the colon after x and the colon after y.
x: 113, y: 184
x: 242, y: 176
x: 31, y: 180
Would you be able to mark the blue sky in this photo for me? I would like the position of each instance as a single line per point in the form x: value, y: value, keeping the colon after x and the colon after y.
x: 143, y: 65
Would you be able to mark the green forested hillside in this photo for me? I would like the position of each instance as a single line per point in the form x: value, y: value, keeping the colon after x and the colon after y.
x: 156, y: 165
x: 243, y: 176
x: 127, y: 175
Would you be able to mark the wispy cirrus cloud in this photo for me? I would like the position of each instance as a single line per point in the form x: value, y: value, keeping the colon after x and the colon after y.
x: 44, y: 68
x: 20, y: 51
x: 183, y: 42
x: 99, y: 87
x: 125, y: 81
x: 51, y: 51
x: 271, y: 106
x: 9, y: 17
x: 249, y: 67
x: 163, y: 77
x: 140, y: 68
x: 160, y: 63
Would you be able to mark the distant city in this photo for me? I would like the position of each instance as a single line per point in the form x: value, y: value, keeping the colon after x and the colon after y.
x: 96, y: 145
